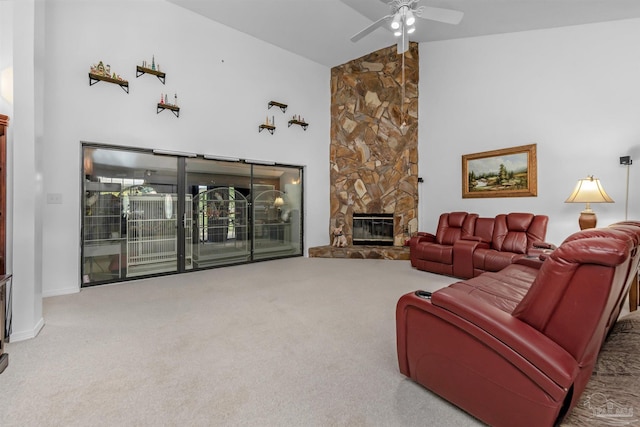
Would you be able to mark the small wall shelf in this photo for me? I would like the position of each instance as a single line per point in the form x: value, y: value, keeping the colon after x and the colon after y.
x: 270, y: 128
x: 283, y: 107
x: 173, y: 108
x: 143, y: 70
x: 95, y: 78
x: 299, y: 123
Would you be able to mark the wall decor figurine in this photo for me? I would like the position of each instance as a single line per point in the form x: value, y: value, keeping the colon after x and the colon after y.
x: 102, y: 70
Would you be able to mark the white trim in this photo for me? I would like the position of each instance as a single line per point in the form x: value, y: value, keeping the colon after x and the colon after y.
x: 214, y: 157
x: 175, y: 153
x: 260, y: 162
x: 26, y: 335
x: 59, y: 292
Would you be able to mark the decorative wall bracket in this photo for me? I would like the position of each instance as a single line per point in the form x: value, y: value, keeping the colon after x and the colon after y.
x: 173, y: 108
x: 143, y: 70
x: 299, y: 123
x: 283, y: 107
x: 270, y: 128
x: 95, y: 78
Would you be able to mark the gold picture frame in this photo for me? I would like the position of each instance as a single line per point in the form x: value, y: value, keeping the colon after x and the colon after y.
x: 509, y: 172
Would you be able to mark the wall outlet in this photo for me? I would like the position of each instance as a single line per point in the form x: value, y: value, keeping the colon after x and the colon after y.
x: 54, y: 198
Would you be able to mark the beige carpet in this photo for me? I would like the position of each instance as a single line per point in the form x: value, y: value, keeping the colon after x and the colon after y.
x: 294, y: 342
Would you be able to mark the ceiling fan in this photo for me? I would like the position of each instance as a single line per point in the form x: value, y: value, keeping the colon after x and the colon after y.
x: 403, y: 16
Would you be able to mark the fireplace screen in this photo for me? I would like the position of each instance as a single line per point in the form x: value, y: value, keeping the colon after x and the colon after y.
x: 372, y: 229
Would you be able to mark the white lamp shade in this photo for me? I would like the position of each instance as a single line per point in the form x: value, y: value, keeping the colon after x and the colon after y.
x: 589, y: 190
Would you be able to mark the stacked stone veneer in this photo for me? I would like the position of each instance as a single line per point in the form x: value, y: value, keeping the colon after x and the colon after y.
x: 374, y: 157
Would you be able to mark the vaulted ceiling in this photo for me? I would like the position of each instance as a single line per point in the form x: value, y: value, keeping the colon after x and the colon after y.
x: 320, y: 29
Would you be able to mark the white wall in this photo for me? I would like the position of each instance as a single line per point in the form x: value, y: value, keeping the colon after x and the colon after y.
x: 575, y: 91
x: 224, y: 80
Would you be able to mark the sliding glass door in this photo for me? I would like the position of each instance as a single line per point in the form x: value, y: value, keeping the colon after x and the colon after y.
x: 147, y: 214
x: 277, y: 206
x: 243, y: 211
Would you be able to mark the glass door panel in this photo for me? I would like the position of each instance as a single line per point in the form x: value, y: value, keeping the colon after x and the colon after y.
x: 130, y: 215
x: 277, y: 202
x: 220, y: 211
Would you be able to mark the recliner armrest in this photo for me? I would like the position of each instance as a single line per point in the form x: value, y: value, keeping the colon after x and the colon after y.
x: 424, y: 237
x: 527, y: 344
x: 541, y: 250
x: 463, y: 256
x: 544, y: 245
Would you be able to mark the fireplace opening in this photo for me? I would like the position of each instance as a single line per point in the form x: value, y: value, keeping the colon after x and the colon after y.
x: 372, y: 229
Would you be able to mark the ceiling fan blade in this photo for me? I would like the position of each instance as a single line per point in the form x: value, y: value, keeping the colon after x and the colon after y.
x: 370, y: 28
x: 447, y: 16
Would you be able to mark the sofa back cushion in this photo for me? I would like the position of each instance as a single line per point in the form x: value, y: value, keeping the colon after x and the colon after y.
x: 484, y: 229
x: 516, y: 232
x: 574, y: 292
x: 453, y: 226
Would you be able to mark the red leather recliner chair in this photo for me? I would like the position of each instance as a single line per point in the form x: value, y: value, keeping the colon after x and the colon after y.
x: 512, y: 236
x: 434, y: 253
x: 510, y: 359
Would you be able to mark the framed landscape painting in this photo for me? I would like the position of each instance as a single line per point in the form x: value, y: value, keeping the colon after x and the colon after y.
x: 510, y: 172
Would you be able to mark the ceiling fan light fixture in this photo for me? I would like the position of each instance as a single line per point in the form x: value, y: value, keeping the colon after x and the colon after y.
x: 395, y: 24
x: 410, y: 19
x: 397, y: 33
x: 411, y: 30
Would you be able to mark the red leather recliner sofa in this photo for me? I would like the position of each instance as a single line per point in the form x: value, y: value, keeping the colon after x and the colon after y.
x: 466, y: 245
x: 517, y: 347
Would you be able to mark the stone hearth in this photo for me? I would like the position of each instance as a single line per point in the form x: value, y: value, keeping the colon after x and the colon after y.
x: 361, y: 252
x: 374, y: 142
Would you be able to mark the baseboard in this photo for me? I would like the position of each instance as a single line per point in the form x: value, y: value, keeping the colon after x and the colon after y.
x: 27, y: 335
x: 60, y: 292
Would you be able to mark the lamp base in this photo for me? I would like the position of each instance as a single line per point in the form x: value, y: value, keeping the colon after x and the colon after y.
x: 587, y: 220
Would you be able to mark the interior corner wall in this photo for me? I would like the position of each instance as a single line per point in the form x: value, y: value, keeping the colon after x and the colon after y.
x: 223, y: 79
x: 573, y: 91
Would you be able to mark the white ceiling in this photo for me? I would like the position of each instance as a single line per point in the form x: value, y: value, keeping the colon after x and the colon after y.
x: 320, y: 29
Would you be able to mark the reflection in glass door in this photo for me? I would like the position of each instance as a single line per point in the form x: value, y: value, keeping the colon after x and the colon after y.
x: 220, y: 233
x: 276, y: 211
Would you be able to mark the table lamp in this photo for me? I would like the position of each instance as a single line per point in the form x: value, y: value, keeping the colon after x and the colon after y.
x: 588, y: 191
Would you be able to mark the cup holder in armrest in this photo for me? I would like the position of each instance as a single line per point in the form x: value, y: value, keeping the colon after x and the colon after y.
x: 423, y: 294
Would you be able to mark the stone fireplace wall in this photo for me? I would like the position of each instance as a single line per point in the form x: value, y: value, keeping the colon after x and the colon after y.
x: 374, y: 140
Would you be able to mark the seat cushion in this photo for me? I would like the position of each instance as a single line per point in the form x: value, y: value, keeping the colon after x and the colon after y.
x: 492, y: 260
x: 434, y: 252
x: 504, y: 289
